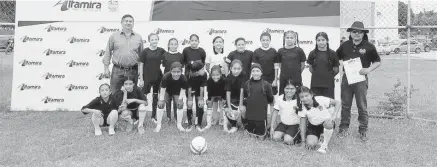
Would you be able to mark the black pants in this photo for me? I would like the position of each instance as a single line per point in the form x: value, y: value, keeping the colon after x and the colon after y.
x: 199, y: 112
x: 146, y: 90
x: 321, y: 91
x: 257, y: 127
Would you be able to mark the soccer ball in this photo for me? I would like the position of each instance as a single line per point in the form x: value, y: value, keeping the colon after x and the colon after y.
x: 198, y: 145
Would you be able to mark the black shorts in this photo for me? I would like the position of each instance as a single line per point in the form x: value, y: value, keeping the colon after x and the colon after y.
x: 320, y: 91
x: 291, y: 130
x: 257, y: 127
x: 215, y: 98
x: 152, y: 84
x: 316, y: 130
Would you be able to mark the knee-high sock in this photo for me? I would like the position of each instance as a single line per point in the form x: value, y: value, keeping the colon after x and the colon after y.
x: 199, y: 114
x: 96, y: 121
x: 142, y: 115
x: 180, y: 116
x: 113, y: 118
x: 159, y: 113
x: 327, y: 134
x: 154, y: 104
x: 208, y: 118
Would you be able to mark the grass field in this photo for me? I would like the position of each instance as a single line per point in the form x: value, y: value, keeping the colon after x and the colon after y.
x: 67, y: 138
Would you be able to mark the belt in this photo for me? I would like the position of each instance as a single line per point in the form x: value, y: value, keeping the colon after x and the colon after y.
x: 126, y: 68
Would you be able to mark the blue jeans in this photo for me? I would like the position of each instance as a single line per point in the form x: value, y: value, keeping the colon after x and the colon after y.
x: 117, y: 78
x: 347, y: 94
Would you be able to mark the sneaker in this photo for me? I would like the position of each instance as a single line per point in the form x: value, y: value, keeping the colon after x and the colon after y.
x: 343, y: 133
x: 158, y: 128
x: 181, y: 128
x: 111, y: 131
x: 363, y: 136
x: 98, y: 131
x: 233, y: 130
x: 129, y: 127
x: 189, y: 128
x: 220, y: 122
x: 154, y: 120
x: 322, y: 149
x: 199, y: 129
x: 141, y: 130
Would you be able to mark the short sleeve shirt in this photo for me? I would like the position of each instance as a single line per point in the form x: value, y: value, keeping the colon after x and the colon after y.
x: 287, y: 111
x: 317, y: 115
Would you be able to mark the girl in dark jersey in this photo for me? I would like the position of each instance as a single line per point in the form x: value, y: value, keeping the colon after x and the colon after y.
x: 216, y: 95
x: 259, y: 95
x: 245, y: 56
x: 324, y: 66
x: 196, y: 88
x: 169, y: 58
x: 266, y: 56
x: 292, y: 60
x: 150, y: 68
x: 173, y: 86
x: 234, y: 96
x: 193, y: 52
x: 104, y: 112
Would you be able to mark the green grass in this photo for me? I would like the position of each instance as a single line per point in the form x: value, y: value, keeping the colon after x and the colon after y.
x: 67, y: 138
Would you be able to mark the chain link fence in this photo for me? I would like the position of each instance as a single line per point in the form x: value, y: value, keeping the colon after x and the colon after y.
x: 389, y: 25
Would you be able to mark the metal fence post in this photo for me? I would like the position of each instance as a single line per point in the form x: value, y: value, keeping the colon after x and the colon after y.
x: 408, y: 57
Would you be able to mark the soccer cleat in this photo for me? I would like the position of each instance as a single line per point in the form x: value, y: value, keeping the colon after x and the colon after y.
x: 111, y: 131
x: 189, y: 128
x: 199, y: 129
x: 98, y: 131
x: 343, y: 133
x: 363, y: 136
x: 181, y: 128
x: 158, y: 128
x: 154, y: 120
x: 323, y: 149
x: 141, y: 130
x: 233, y: 130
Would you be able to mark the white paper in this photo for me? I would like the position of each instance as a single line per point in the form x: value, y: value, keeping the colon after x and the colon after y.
x: 352, y: 69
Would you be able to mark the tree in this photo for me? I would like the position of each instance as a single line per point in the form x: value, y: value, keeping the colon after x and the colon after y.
x: 402, y: 17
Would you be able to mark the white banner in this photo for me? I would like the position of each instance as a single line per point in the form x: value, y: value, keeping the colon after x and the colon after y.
x: 82, y: 10
x: 58, y: 66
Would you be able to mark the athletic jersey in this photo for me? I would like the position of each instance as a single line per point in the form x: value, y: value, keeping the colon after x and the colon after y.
x: 258, y: 95
x: 287, y: 111
x: 170, y: 58
x: 234, y: 85
x: 99, y: 104
x: 195, y: 82
x: 191, y: 54
x: 216, y: 59
x: 314, y: 114
x: 152, y: 60
x: 135, y: 94
x: 323, y: 63
x: 267, y: 60
x: 216, y: 88
x: 245, y: 57
x: 291, y: 60
x: 173, y: 87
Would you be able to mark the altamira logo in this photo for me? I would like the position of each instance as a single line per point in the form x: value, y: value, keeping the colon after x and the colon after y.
x: 213, y: 31
x: 73, y: 63
x: 184, y: 42
x: 51, y: 28
x: 101, y: 52
x: 105, y: 30
x: 53, y: 76
x: 305, y: 42
x: 47, y: 99
x: 101, y: 76
x: 72, y: 87
x: 30, y: 63
x: 162, y: 31
x: 49, y: 52
x: 30, y: 39
x: 79, y: 5
x: 78, y: 40
x: 270, y: 31
x: 247, y: 42
x: 23, y: 87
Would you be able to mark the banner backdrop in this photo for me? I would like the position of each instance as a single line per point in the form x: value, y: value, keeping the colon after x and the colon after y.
x: 58, y: 66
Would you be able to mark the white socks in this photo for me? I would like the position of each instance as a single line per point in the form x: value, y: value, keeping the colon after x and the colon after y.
x: 159, y: 113
x: 180, y: 115
x: 327, y: 134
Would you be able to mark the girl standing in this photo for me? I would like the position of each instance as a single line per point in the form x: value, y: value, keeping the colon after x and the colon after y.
x: 196, y: 88
x: 286, y: 107
x: 169, y: 58
x: 104, y: 112
x: 173, y: 86
x: 216, y: 94
x: 267, y: 58
x: 324, y: 67
x: 292, y: 60
x: 193, y: 52
x: 320, y: 120
x: 234, y: 95
x: 218, y: 58
x: 259, y: 95
x: 245, y: 56
x: 150, y: 69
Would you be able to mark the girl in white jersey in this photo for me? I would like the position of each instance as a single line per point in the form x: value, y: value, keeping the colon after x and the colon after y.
x: 320, y: 120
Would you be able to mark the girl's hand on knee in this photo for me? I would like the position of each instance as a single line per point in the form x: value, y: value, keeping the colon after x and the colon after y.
x: 242, y: 109
x: 201, y: 103
x: 161, y: 104
x: 180, y: 103
x: 190, y: 104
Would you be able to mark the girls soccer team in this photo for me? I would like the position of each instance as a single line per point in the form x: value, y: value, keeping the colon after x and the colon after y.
x: 240, y: 90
